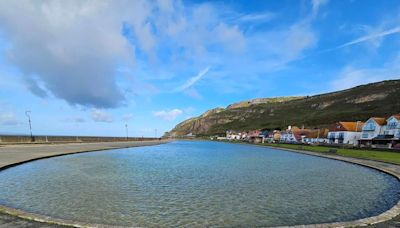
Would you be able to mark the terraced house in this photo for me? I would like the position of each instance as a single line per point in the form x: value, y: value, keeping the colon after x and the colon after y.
x: 381, y: 133
x: 345, y: 133
x: 391, y: 133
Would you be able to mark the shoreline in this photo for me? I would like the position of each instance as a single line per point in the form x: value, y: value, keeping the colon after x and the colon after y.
x: 390, y: 169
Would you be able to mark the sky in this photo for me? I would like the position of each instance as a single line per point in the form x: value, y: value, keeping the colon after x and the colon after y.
x: 91, y: 67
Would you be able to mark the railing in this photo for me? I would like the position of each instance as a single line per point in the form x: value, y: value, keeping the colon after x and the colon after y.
x: 67, y: 139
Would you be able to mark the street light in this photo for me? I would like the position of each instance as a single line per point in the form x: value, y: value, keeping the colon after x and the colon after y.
x: 126, y: 128
x: 27, y: 113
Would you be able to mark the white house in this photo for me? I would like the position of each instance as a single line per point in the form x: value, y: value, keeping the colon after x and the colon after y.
x: 390, y: 134
x: 393, y: 126
x: 290, y: 135
x: 372, y: 128
x: 232, y: 135
x: 345, y: 133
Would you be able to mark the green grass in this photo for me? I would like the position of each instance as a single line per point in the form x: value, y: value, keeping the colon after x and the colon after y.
x: 385, y: 156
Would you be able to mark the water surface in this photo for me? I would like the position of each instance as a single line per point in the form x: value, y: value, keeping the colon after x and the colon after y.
x: 198, y: 184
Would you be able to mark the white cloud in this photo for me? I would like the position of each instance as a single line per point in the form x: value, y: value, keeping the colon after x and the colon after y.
x: 265, y: 16
x: 76, y: 119
x: 101, y: 116
x: 161, y: 38
x: 370, y: 37
x: 168, y: 115
x: 193, y: 80
x: 316, y: 5
x: 8, y: 118
x: 70, y: 48
x: 351, y: 76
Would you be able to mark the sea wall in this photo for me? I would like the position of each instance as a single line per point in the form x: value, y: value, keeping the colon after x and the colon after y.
x: 66, y: 139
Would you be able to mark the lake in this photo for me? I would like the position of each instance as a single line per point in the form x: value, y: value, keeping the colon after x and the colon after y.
x: 196, y: 183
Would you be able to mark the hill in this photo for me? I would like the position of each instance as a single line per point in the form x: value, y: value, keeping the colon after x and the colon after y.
x: 358, y: 103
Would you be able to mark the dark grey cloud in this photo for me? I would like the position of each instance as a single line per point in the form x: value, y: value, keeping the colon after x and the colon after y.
x: 33, y: 86
x: 68, y: 48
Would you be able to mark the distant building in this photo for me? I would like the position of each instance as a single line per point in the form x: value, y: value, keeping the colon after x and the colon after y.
x: 291, y: 135
x: 276, y: 136
x: 233, y: 135
x: 345, y: 133
x: 314, y: 136
x: 190, y: 135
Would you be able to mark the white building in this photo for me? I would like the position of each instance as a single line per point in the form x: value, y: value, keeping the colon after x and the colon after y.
x: 372, y: 128
x: 393, y: 126
x: 232, y: 135
x: 345, y: 133
x: 290, y: 135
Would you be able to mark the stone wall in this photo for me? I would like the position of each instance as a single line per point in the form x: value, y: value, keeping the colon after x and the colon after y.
x: 60, y: 139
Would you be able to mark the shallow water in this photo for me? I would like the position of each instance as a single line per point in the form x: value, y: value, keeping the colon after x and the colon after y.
x: 198, y: 184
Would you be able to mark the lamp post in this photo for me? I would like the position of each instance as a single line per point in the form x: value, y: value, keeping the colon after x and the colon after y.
x: 126, y: 128
x: 27, y: 113
x: 155, y: 133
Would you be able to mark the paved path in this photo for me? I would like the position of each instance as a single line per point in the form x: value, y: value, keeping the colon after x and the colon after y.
x: 15, y: 154
x: 12, y: 154
x: 7, y: 221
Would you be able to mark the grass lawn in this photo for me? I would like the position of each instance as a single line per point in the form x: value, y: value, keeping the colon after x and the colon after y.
x: 385, y: 156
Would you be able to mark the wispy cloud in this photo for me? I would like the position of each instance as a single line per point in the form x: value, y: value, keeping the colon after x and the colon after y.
x: 192, y: 80
x: 168, y: 115
x: 8, y: 118
x: 351, y: 76
x: 316, y: 5
x: 369, y: 37
x: 101, y: 116
x: 75, y: 119
x: 266, y: 16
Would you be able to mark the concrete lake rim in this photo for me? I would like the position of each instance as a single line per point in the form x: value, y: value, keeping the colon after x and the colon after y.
x: 385, y: 216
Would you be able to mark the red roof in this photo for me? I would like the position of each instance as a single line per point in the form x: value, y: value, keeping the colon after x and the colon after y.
x: 379, y: 120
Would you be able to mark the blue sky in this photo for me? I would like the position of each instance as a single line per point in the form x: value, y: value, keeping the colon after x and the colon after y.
x: 90, y: 67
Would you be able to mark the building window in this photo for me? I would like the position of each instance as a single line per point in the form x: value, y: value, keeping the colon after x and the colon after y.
x: 391, y: 125
x: 369, y: 126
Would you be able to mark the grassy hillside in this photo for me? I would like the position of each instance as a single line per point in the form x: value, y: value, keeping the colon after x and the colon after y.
x: 358, y: 103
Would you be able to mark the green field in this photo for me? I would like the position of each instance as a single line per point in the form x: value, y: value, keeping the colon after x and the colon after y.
x: 376, y: 155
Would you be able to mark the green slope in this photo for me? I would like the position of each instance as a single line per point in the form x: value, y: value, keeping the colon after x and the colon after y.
x: 358, y: 103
